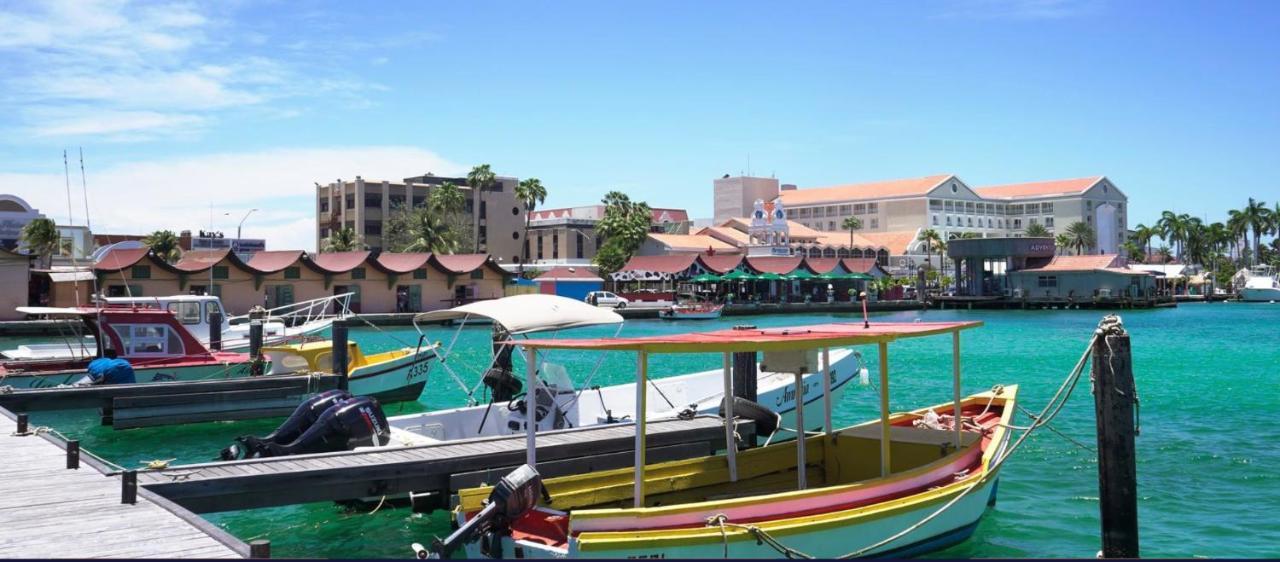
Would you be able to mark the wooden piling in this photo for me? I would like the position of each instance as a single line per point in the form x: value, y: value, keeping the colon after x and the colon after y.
x: 215, y: 331
x: 255, y: 347
x: 340, y: 360
x: 129, y: 487
x: 23, y: 423
x: 260, y: 549
x: 1115, y: 396
x: 73, y: 454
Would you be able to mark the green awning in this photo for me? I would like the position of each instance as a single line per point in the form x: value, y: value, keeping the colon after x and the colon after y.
x: 800, y: 274
x: 862, y: 276
x: 770, y: 277
x: 706, y: 278
x: 737, y: 275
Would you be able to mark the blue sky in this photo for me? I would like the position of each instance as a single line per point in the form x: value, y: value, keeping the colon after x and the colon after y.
x: 244, y: 104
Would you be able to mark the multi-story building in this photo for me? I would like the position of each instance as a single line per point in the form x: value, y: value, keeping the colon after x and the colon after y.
x: 735, y: 196
x: 568, y: 236
x: 496, y: 218
x: 947, y: 204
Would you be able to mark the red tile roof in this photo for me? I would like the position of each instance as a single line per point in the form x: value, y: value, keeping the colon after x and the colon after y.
x: 118, y: 259
x: 821, y: 265
x: 782, y: 265
x: 720, y: 263
x: 402, y: 263
x: 1039, y: 188
x: 673, y: 215
x: 660, y: 264
x: 692, y: 243
x: 870, y: 190
x: 568, y: 274
x: 1081, y: 263
x: 271, y: 262
x: 339, y: 262
x: 200, y: 260
x: 859, y: 265
x: 464, y: 263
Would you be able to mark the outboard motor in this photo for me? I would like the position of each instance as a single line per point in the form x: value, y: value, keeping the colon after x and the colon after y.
x: 503, y: 386
x: 766, y: 420
x: 345, y: 425
x: 515, y: 495
x: 302, y: 418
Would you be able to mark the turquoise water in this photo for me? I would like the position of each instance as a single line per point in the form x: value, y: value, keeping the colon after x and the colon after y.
x: 1208, y: 457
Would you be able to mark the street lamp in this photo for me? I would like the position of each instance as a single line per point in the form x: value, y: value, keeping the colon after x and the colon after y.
x: 235, y: 244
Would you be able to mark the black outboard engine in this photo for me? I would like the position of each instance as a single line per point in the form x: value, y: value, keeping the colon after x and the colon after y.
x: 302, y: 418
x: 344, y: 425
x: 515, y: 495
x: 503, y: 386
x: 766, y: 420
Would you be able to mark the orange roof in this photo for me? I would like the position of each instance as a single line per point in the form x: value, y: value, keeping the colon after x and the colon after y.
x: 1039, y: 188
x: 465, y: 263
x: 339, y: 262
x: 402, y: 262
x: 870, y: 190
x: 896, y: 241
x: 782, y: 265
x: 117, y: 259
x: 726, y: 234
x: 660, y: 264
x: 1082, y: 263
x: 200, y: 260
x: 798, y: 232
x: 273, y: 261
x: 692, y: 242
x: 860, y: 265
x: 720, y: 263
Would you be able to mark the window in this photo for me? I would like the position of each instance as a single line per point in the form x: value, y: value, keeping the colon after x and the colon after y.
x: 477, y: 274
x: 221, y: 272
x: 373, y: 200
x: 954, y: 188
x: 419, y: 200
x: 1000, y: 223
x: 970, y: 222
x: 873, y: 208
x: 324, y: 232
x: 1033, y: 208
x: 149, y: 339
x: 950, y: 206
x: 350, y: 201
x: 1017, y: 223
x: 935, y: 204
x: 579, y: 243
x: 969, y: 207
x: 483, y: 235
x: 292, y: 273
x: 935, y: 220
x: 324, y: 205
x: 279, y: 295
x: 373, y: 228
x: 846, y: 209
x: 1048, y: 222
x: 860, y: 209
x: 1046, y: 208
x: 875, y: 222
x: 395, y: 201
x: 186, y: 312
x: 1033, y: 220
x: 948, y: 220
x: 420, y: 273
x: 484, y: 209
x: 539, y: 245
x: 357, y: 273
x: 1045, y: 281
x: 515, y: 210
x: 990, y: 222
x: 140, y: 272
x: 831, y: 225
x: 555, y: 245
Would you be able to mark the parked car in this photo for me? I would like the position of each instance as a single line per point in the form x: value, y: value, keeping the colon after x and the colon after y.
x: 605, y: 298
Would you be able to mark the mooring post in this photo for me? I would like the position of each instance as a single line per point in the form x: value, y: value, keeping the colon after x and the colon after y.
x: 260, y: 548
x: 23, y: 422
x: 340, y: 352
x: 255, y: 347
x: 1115, y: 399
x: 129, y: 487
x: 215, y: 330
x: 73, y: 454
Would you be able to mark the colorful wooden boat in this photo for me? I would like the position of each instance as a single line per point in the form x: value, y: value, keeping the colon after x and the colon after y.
x: 905, y: 484
x: 692, y: 311
x: 391, y: 376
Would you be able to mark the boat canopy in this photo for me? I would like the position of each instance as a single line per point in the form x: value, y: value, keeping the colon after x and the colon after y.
x: 524, y: 314
x: 762, y: 339
x: 57, y: 311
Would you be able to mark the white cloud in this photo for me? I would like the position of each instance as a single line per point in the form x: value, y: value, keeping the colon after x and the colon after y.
x: 138, y: 197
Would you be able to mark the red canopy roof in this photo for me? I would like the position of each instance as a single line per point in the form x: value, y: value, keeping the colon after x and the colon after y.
x: 761, y: 339
x: 339, y: 262
x: 118, y: 259
x: 720, y: 263
x: 860, y: 265
x: 200, y: 260
x: 821, y: 265
x: 271, y: 262
x: 782, y: 265
x: 403, y: 263
x: 464, y: 263
x: 660, y: 264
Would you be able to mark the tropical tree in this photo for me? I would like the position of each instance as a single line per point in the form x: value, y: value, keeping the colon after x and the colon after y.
x: 1166, y: 256
x: 341, y: 240
x: 448, y: 201
x: 1142, y: 235
x: 1081, y: 236
x: 164, y: 244
x: 851, y: 224
x: 1256, y: 217
x: 932, y: 239
x: 1062, y: 243
x: 1172, y: 228
x: 1037, y: 230
x: 419, y: 230
x: 1133, y: 251
x: 624, y: 226
x: 481, y: 178
x: 41, y: 238
x: 531, y: 193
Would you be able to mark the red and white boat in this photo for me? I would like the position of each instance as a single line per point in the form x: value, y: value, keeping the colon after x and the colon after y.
x: 692, y: 311
x: 152, y: 340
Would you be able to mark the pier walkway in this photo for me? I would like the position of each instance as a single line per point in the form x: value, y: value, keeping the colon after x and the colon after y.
x: 50, y: 511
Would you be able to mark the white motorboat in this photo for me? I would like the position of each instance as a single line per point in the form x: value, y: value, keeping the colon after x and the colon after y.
x: 1259, y: 284
x: 280, y: 325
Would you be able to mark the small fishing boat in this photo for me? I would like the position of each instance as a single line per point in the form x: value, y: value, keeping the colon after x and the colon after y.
x: 692, y: 311
x: 152, y: 340
x: 391, y: 376
x: 1259, y: 284
x: 279, y: 325
x: 902, y: 485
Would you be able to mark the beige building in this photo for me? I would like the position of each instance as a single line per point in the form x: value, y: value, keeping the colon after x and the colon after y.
x: 15, y: 275
x: 567, y: 236
x: 497, y: 219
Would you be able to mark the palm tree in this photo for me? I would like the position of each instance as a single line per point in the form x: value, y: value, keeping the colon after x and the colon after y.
x: 164, y: 244
x: 420, y: 230
x: 1037, y: 230
x: 1165, y: 255
x: 341, y: 240
x: 931, y: 240
x: 851, y: 224
x: 1081, y: 236
x: 41, y: 238
x: 1172, y: 227
x: 531, y: 193
x: 1142, y: 234
x: 625, y: 226
x: 1062, y: 242
x: 1256, y: 217
x: 480, y: 178
x: 1133, y: 251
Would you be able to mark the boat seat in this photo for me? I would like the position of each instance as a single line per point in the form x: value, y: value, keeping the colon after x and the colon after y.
x: 913, y: 435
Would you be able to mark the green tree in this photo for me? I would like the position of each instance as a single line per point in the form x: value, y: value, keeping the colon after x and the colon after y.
x: 851, y: 224
x: 450, y: 202
x: 1133, y: 251
x: 41, y: 238
x: 481, y: 179
x: 1256, y: 217
x: 625, y: 226
x: 1173, y: 229
x: 532, y: 193
x: 1063, y: 243
x: 1081, y: 236
x: 1142, y: 235
x: 164, y: 244
x: 1165, y: 254
x: 341, y: 240
x: 1037, y: 230
x: 932, y: 240
x: 419, y: 230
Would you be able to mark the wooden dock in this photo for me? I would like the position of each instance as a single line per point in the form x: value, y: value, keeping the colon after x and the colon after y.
x: 436, y: 470
x: 51, y: 511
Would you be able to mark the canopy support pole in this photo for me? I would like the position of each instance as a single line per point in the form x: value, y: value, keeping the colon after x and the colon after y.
x: 730, y: 444
x: 955, y: 385
x: 800, y: 434
x: 827, y: 373
x: 531, y: 406
x: 642, y: 387
x: 884, y: 409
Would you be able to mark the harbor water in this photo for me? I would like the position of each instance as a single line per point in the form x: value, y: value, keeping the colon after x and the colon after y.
x: 1208, y: 459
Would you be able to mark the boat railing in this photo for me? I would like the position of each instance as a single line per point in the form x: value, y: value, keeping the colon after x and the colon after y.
x: 307, y: 311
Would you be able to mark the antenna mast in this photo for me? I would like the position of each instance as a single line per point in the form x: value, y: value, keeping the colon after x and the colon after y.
x: 66, y: 174
x: 84, y: 188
